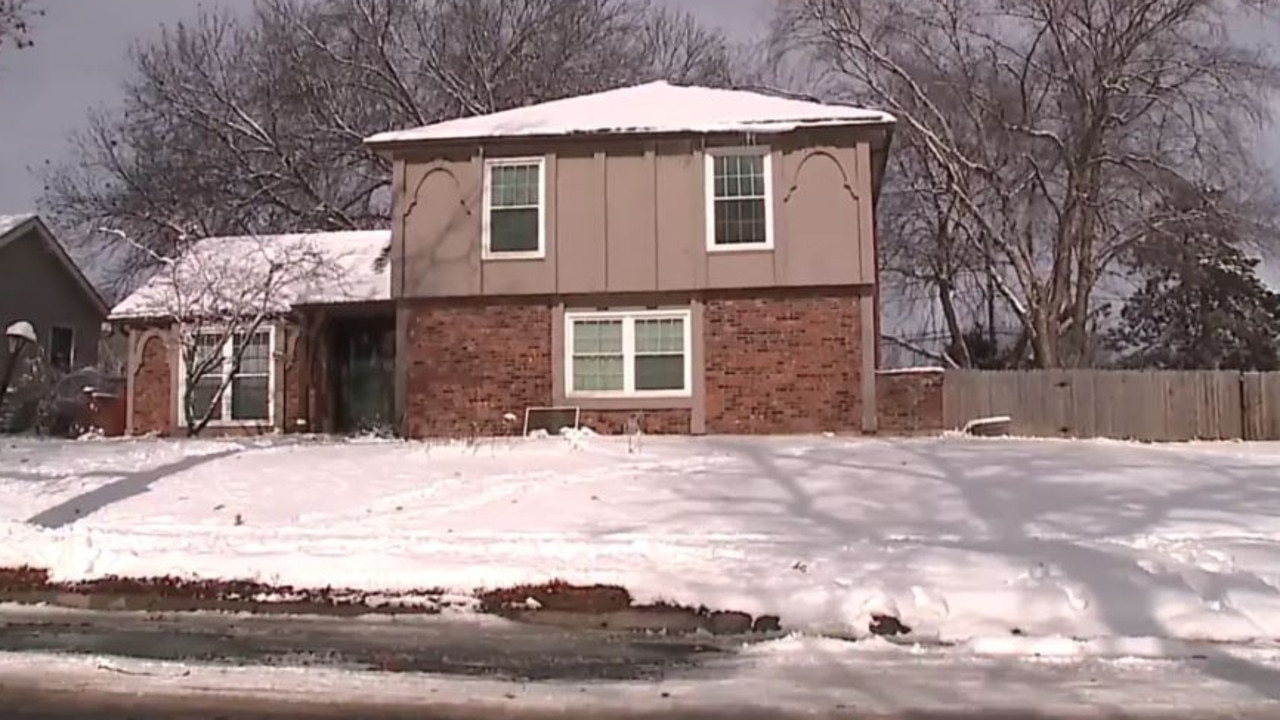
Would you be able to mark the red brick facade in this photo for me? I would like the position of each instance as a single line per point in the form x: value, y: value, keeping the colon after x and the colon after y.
x: 909, y: 402
x: 153, y: 391
x: 155, y: 394
x: 786, y: 362
x: 652, y: 422
x: 471, y: 362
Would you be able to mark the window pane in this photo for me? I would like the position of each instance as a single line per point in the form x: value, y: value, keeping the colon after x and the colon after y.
x: 61, y: 348
x: 513, y: 186
x: 514, y: 230
x: 739, y: 176
x: 740, y: 221
x: 598, y: 373
x: 594, y: 337
x: 202, y: 394
x: 249, y: 399
x: 256, y: 359
x: 664, y: 335
x: 660, y: 372
x: 208, y: 358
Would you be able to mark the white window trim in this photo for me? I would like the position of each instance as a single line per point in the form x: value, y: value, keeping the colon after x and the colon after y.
x: 628, y: 318
x: 709, y: 171
x: 486, y: 251
x: 71, y: 360
x: 228, y: 353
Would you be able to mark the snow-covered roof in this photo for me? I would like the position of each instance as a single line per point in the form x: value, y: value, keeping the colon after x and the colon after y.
x: 309, y: 269
x: 652, y: 108
x: 9, y: 222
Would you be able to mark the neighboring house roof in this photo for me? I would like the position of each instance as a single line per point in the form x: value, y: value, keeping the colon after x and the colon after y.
x: 13, y: 227
x: 351, y: 270
x: 652, y: 108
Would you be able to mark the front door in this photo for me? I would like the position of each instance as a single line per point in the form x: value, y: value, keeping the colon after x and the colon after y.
x: 364, y: 368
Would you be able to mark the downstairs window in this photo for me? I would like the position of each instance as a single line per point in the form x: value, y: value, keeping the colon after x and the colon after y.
x: 628, y: 354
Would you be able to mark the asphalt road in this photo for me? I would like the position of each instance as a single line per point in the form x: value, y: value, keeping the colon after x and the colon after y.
x: 20, y: 704
x: 479, y: 648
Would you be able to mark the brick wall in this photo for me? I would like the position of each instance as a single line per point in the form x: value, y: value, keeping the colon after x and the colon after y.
x: 653, y: 422
x: 910, y: 401
x: 153, y: 399
x: 785, y: 362
x: 295, y: 382
x: 471, y: 362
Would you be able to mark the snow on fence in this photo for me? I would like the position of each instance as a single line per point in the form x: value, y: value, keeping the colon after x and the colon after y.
x: 1151, y: 405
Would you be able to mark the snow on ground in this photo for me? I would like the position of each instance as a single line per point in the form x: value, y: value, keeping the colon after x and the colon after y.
x: 793, y: 675
x: 965, y: 540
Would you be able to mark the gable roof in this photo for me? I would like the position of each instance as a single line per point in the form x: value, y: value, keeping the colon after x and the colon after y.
x: 13, y: 227
x: 360, y: 272
x: 652, y: 108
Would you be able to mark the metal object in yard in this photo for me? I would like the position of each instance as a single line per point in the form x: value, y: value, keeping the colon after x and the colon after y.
x: 18, y: 336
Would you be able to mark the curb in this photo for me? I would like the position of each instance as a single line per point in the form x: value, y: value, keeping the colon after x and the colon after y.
x: 559, y: 604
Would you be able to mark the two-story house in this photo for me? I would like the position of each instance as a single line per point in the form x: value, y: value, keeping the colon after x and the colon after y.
x: 702, y: 259
x: 705, y: 256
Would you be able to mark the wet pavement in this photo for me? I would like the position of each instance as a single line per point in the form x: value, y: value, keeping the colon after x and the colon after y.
x: 477, y: 647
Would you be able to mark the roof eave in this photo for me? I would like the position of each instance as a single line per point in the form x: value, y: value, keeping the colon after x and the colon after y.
x: 392, y: 144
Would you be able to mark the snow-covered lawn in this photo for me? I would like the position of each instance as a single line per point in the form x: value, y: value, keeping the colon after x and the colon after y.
x: 963, y: 539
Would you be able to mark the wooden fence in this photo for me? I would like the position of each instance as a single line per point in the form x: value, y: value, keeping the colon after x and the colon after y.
x: 1140, y: 405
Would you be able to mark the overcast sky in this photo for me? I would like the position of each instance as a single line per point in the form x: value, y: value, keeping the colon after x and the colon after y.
x: 79, y: 61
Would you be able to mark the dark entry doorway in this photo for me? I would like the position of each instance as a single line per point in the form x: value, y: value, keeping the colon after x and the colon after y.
x: 363, y: 363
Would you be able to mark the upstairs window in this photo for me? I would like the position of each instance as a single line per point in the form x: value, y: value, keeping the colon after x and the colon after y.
x: 739, y: 194
x: 514, y: 207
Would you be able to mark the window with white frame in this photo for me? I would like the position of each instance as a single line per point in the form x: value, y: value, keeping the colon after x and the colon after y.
x: 739, y: 195
x: 628, y: 354
x: 247, y: 397
x: 514, y: 196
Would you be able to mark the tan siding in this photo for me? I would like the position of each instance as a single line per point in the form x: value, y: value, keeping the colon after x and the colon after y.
x: 631, y: 228
x: 682, y: 259
x: 867, y: 246
x: 740, y: 269
x: 820, y: 206
x: 630, y: 216
x: 442, y: 229
x: 580, y: 222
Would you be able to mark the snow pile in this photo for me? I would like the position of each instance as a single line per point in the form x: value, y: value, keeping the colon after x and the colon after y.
x: 652, y: 108
x: 959, y: 539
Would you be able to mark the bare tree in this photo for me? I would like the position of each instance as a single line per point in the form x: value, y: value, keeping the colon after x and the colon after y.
x: 15, y: 23
x: 1038, y: 139
x: 218, y: 297
x: 251, y: 125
